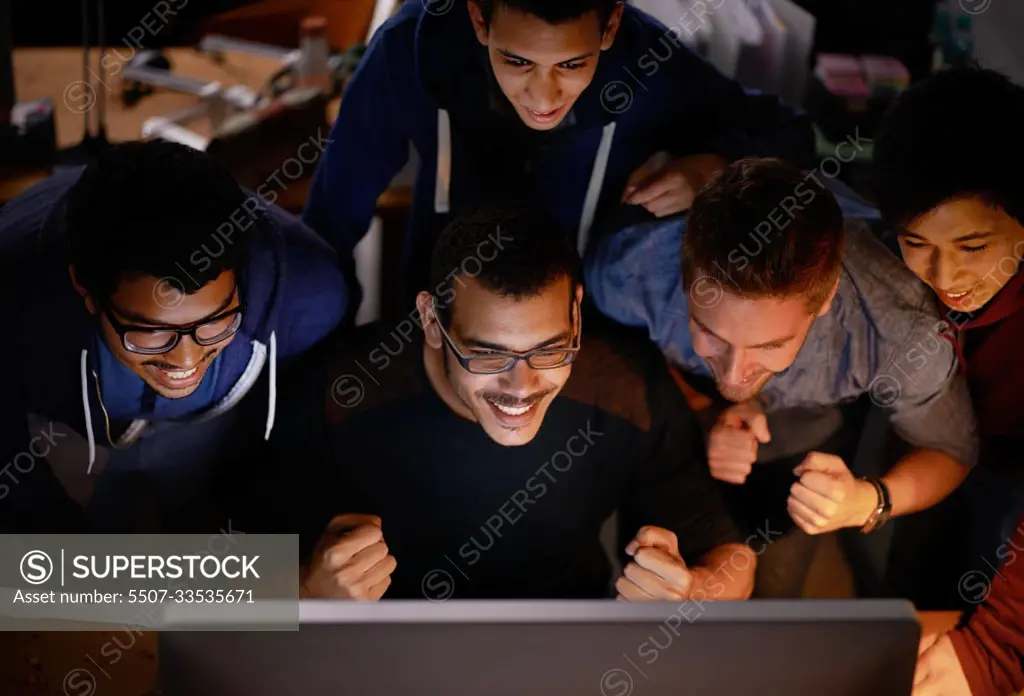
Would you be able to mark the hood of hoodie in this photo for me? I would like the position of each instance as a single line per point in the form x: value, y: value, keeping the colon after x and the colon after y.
x: 63, y: 350
x: 1007, y: 301
x: 453, y: 67
x: 988, y: 350
x: 453, y: 71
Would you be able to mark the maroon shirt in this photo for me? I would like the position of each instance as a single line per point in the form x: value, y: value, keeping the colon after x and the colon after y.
x: 990, y: 646
x: 989, y: 345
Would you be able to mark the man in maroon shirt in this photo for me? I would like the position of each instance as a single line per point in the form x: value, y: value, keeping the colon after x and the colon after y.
x: 949, y: 182
x: 985, y: 655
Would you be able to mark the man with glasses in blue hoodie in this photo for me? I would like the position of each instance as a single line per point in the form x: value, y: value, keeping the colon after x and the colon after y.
x: 582, y: 104
x: 147, y: 302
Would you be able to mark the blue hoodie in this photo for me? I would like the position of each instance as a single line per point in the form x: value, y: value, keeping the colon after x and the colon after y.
x: 425, y: 80
x: 59, y: 368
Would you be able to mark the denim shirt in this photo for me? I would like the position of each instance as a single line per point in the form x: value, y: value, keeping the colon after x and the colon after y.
x: 880, y: 337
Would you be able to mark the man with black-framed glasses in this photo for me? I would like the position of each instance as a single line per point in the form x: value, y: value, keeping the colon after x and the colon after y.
x: 480, y: 456
x: 147, y: 302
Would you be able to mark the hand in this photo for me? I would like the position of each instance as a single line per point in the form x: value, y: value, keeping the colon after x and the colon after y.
x: 828, y: 497
x: 938, y: 670
x: 351, y: 560
x: 657, y: 571
x: 667, y: 188
x: 732, y: 444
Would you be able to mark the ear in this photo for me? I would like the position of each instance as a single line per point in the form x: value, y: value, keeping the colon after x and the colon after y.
x: 579, y: 302
x: 612, y: 28
x: 476, y: 16
x: 428, y: 320
x: 827, y: 305
x: 89, y: 304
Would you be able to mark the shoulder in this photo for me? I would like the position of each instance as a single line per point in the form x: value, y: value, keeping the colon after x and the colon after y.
x: 392, y: 48
x: 23, y: 216
x: 634, y: 276
x: 901, y: 316
x: 890, y: 295
x: 314, y: 294
x: 404, y: 23
x: 301, y: 243
x: 881, y: 276
x: 620, y: 372
x: 641, y: 254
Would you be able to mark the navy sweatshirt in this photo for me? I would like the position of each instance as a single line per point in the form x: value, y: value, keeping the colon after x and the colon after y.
x: 294, y: 295
x: 363, y: 431
x: 425, y: 80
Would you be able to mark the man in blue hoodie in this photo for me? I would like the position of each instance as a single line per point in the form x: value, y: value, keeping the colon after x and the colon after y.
x: 582, y: 104
x: 146, y: 303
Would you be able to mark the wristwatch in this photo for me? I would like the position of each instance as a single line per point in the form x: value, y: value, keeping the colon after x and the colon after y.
x: 880, y: 515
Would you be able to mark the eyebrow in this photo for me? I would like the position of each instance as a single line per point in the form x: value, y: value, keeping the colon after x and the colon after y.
x: 776, y: 342
x: 971, y: 237
x: 143, y: 319
x: 477, y: 343
x: 509, y: 54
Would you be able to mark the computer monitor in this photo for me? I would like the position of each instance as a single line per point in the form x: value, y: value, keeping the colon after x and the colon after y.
x: 584, y: 648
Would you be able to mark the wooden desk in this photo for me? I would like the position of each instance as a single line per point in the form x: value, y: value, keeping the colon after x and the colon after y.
x: 134, y: 670
x: 57, y: 73
x: 933, y: 622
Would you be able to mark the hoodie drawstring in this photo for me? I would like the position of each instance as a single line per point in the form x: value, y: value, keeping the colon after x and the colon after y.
x: 272, y: 408
x: 593, y: 197
x: 442, y: 180
x: 443, y: 175
x: 88, y: 410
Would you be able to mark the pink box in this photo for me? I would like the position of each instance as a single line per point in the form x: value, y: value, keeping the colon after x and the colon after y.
x: 830, y: 64
x: 884, y: 71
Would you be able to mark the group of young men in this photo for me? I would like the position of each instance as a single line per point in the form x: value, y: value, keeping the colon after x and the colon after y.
x: 190, y: 360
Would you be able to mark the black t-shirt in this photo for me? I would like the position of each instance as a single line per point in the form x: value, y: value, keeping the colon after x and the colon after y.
x: 361, y: 430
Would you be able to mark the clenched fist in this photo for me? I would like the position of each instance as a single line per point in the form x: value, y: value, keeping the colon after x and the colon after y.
x: 350, y: 561
x: 657, y: 571
x: 828, y: 496
x: 732, y: 445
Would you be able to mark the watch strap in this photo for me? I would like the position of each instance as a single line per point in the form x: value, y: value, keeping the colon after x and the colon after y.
x: 880, y: 515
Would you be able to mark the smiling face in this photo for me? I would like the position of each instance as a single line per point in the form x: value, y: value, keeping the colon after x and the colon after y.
x: 746, y: 341
x: 151, y: 303
x: 542, y: 68
x: 510, y: 406
x: 965, y: 250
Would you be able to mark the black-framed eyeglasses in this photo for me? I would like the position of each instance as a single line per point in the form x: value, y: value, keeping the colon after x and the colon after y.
x: 499, y: 361
x: 149, y: 340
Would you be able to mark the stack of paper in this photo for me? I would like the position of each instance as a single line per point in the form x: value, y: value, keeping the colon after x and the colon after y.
x: 799, y: 27
x: 763, y: 44
x: 736, y: 39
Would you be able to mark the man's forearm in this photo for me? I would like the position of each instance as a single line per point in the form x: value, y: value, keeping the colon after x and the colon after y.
x: 919, y: 480
x: 725, y: 572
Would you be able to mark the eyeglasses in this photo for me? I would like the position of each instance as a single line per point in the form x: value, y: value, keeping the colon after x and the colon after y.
x: 499, y: 361
x: 147, y: 340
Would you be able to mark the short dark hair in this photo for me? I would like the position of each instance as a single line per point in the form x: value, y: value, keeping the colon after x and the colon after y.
x: 945, y: 138
x: 734, y: 238
x: 513, y: 249
x: 147, y: 209
x: 552, y: 11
